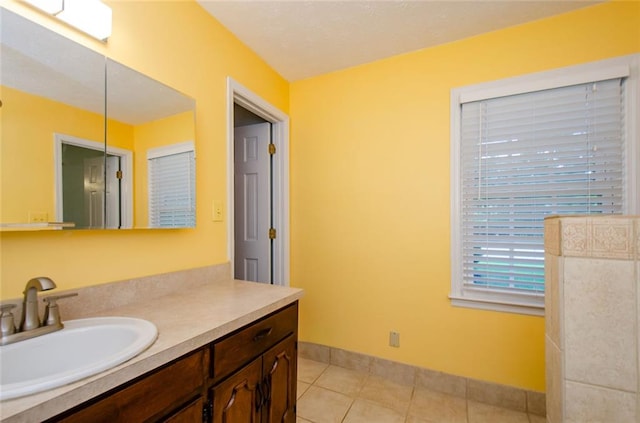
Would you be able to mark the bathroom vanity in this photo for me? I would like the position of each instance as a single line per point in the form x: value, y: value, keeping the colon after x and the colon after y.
x: 240, y: 378
x: 226, y: 351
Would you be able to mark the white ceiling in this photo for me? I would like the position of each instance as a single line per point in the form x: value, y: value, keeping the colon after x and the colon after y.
x: 301, y: 39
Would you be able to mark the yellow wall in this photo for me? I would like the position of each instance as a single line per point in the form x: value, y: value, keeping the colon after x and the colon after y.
x: 370, y: 197
x: 120, y: 135
x: 28, y: 125
x: 179, y: 44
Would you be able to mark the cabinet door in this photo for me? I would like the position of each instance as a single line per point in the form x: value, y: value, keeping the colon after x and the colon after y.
x: 238, y: 399
x: 279, y: 382
x: 191, y: 413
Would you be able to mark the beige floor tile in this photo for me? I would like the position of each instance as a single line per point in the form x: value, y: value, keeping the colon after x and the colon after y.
x: 414, y: 419
x: 387, y: 393
x: 323, y: 406
x: 432, y: 406
x: 363, y: 411
x: 345, y: 381
x: 301, y: 388
x: 537, y: 419
x: 309, y: 370
x: 301, y: 420
x: 484, y: 413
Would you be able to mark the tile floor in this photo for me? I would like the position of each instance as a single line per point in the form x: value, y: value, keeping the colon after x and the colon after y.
x: 328, y: 394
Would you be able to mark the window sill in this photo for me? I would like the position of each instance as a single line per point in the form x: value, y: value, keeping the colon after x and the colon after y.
x: 505, y: 307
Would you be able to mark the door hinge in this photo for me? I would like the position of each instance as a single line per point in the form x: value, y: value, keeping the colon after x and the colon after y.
x: 272, y: 233
x: 118, y: 174
x: 272, y: 148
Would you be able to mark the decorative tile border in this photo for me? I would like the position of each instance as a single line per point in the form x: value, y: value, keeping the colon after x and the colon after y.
x: 552, y: 236
x: 475, y: 390
x: 612, y: 238
x: 574, y: 239
x: 608, y: 237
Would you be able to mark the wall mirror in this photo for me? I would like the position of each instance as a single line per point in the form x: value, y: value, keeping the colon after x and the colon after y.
x: 86, y: 140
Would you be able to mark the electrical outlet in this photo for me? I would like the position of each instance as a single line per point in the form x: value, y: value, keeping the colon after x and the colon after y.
x: 217, y: 211
x: 394, y: 339
x: 38, y: 217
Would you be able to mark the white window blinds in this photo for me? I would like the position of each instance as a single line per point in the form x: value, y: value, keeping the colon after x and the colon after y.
x: 527, y: 156
x: 172, y: 186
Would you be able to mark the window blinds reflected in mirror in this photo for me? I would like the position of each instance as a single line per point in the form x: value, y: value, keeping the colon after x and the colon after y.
x: 172, y: 186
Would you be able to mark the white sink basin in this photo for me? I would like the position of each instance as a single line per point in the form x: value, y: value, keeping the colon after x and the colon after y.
x: 83, y: 348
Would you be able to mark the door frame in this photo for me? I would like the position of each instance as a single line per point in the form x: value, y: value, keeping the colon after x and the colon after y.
x: 238, y: 94
x: 126, y: 164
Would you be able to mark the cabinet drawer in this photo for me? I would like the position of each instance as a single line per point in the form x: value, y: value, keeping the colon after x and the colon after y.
x: 148, y: 398
x: 232, y: 352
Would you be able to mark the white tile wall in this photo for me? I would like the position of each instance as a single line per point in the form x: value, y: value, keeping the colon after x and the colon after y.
x: 592, y: 272
x: 591, y: 403
x: 600, y: 308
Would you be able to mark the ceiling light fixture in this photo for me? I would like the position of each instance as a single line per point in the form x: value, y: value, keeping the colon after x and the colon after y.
x: 89, y: 16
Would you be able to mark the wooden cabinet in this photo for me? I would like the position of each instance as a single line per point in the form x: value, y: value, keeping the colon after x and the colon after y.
x: 262, y: 391
x: 235, y: 350
x: 279, y: 372
x: 238, y: 399
x: 190, y: 413
x: 254, y: 371
x: 248, y: 376
x: 168, y: 391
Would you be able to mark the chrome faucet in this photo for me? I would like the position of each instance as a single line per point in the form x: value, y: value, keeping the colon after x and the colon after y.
x: 30, y: 315
x: 30, y: 324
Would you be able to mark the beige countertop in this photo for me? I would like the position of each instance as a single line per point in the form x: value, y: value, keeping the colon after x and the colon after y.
x: 185, y: 321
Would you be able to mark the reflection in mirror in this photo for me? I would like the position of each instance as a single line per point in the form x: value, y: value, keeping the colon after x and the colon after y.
x: 146, y: 117
x: 49, y: 85
x: 82, y: 201
x: 83, y: 176
x: 53, y: 91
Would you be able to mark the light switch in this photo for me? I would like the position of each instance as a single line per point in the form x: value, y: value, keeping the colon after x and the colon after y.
x: 394, y: 339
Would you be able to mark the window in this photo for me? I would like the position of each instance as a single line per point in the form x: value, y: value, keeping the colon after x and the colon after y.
x: 524, y: 151
x: 172, y: 186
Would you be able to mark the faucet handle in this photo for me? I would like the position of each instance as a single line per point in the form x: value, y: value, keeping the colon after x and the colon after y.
x: 52, y: 311
x: 7, y: 326
x: 53, y: 298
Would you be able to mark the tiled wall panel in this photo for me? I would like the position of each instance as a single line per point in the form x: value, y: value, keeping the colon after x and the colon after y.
x: 592, y: 273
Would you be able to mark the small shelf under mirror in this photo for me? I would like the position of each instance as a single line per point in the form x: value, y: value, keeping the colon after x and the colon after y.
x: 35, y: 226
